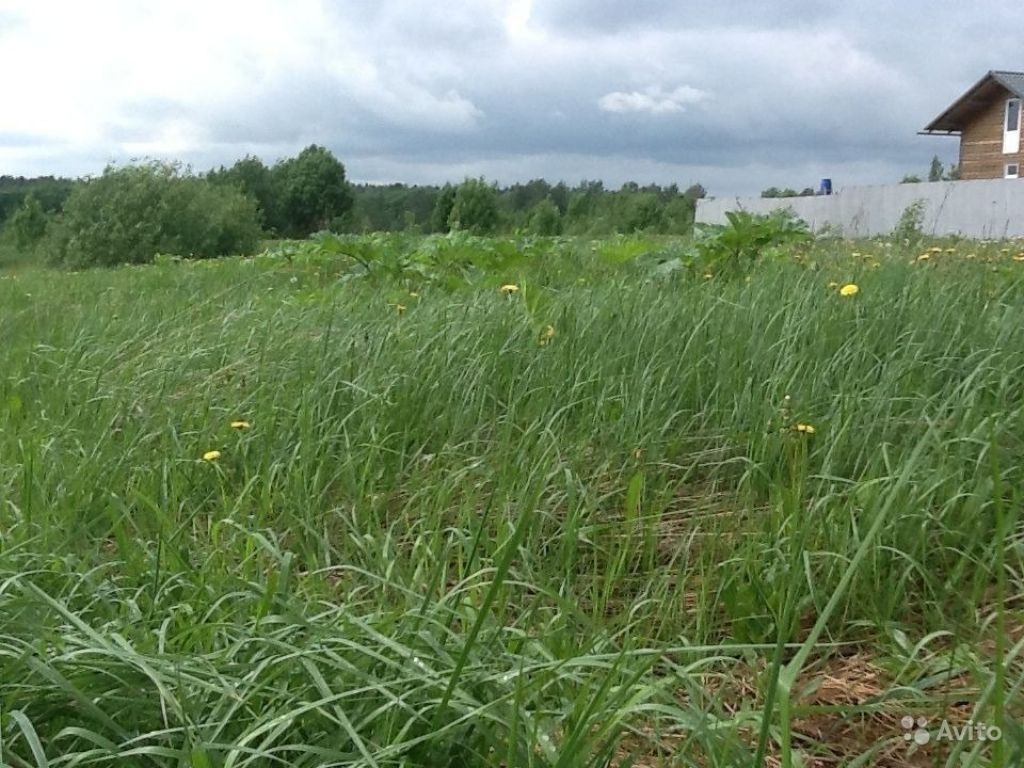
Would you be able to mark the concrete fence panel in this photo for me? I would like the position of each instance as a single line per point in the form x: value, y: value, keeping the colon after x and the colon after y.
x: 988, y: 208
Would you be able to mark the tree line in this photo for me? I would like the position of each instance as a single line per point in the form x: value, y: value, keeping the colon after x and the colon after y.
x: 130, y: 213
x: 49, y: 191
x: 294, y: 204
x: 534, y: 207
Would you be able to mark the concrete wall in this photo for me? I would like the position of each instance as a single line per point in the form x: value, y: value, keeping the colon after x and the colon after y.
x: 989, y: 208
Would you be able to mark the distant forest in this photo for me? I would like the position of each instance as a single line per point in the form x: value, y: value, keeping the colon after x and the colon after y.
x: 588, y: 208
x: 537, y: 207
x: 51, y: 193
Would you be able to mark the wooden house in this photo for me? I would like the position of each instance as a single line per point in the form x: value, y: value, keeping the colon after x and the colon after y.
x: 987, y: 119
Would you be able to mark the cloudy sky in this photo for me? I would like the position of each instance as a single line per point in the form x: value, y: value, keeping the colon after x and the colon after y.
x: 736, y: 94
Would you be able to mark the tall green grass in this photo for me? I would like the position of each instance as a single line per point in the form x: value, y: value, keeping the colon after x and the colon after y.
x: 447, y: 538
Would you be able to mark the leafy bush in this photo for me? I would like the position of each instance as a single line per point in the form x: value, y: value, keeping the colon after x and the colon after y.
x: 644, y: 213
x: 546, y: 219
x: 734, y: 248
x: 475, y: 208
x: 442, y: 209
x: 908, y: 230
x: 129, y: 214
x: 452, y: 261
x: 28, y: 223
x: 256, y: 180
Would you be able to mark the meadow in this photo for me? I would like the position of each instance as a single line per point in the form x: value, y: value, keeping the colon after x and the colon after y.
x: 455, y: 501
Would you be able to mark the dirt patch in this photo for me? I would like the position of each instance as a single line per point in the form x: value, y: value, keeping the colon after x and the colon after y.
x: 844, y: 708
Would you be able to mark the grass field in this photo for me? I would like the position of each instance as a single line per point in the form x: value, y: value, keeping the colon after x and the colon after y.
x: 621, y: 514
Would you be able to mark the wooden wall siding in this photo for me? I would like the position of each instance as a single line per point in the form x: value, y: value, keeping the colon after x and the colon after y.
x: 981, y: 143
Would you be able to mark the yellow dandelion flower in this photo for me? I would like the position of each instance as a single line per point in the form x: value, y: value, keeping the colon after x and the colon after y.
x: 211, y: 455
x: 855, y: 255
x: 240, y: 424
x: 413, y: 295
x: 708, y: 275
x: 547, y: 335
x: 400, y: 308
x: 924, y: 257
x: 850, y: 289
x: 1019, y: 257
x: 972, y: 256
x: 951, y: 250
x: 509, y: 288
x: 807, y: 429
x: 935, y: 249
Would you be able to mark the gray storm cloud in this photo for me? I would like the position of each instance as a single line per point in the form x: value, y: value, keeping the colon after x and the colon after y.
x: 739, y: 96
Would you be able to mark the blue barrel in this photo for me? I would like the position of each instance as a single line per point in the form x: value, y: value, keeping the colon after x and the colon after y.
x: 826, y: 187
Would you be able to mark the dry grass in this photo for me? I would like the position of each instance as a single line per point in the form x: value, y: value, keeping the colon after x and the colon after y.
x: 847, y: 707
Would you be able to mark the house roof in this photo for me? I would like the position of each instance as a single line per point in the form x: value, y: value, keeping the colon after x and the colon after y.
x: 978, y: 96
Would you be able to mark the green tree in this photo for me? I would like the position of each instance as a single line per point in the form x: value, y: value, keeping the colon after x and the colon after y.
x: 545, y: 218
x: 389, y: 208
x: 525, y: 196
x: 28, y: 223
x: 254, y: 179
x: 935, y: 171
x: 585, y: 202
x: 475, y: 208
x: 311, y: 190
x: 442, y: 209
x: 644, y: 212
x: 679, y: 215
x: 560, y: 196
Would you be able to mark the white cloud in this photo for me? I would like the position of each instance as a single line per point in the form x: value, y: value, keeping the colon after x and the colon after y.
x: 653, y: 99
x: 122, y: 78
x: 517, y: 18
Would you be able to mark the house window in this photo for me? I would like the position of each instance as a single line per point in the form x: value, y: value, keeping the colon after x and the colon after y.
x: 1012, y: 171
x: 1013, y: 115
x: 1011, y: 128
